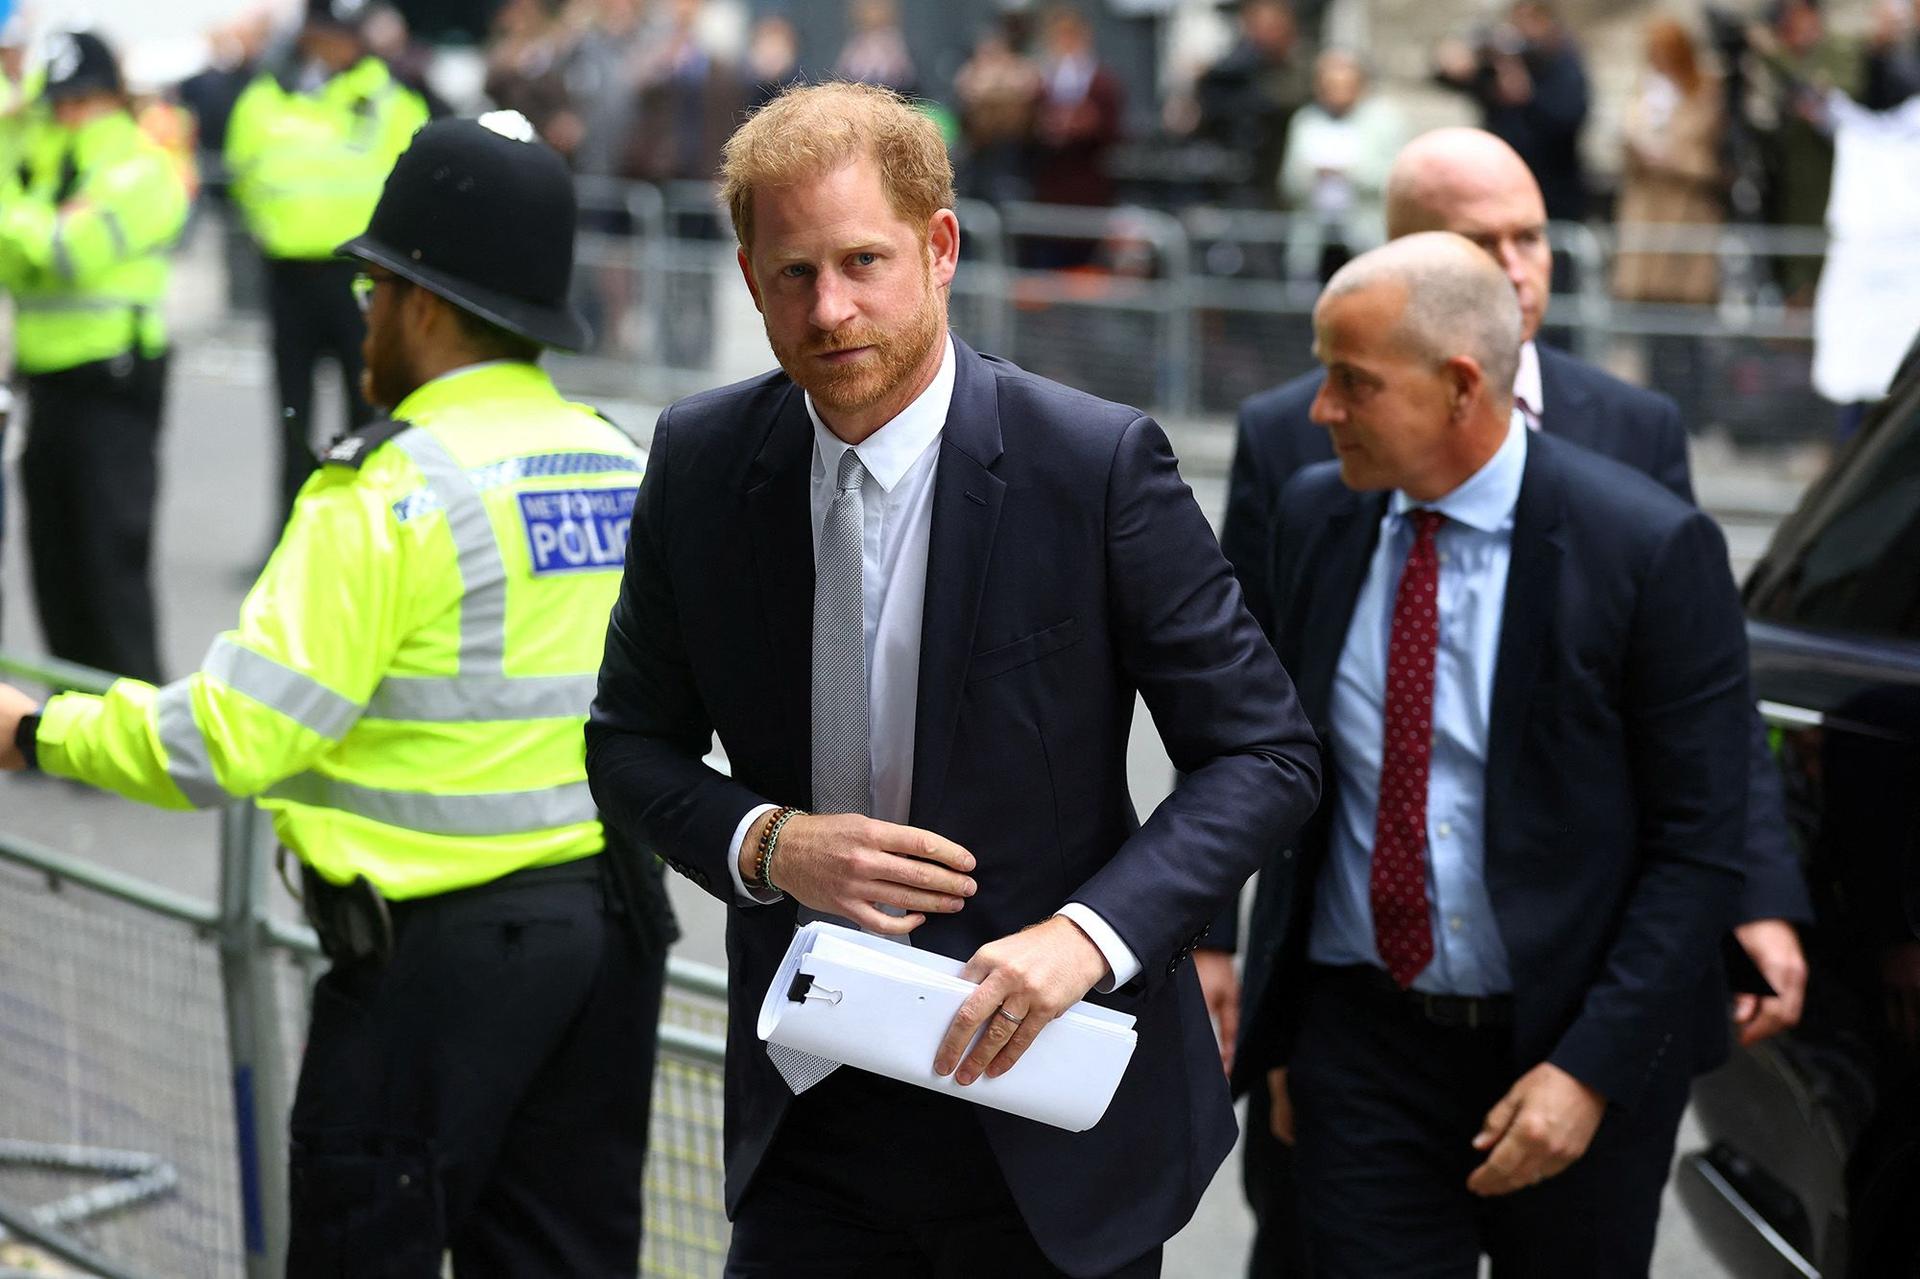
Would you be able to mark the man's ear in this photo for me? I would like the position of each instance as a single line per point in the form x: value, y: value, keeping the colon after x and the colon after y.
x: 426, y: 314
x: 1465, y: 381
x: 943, y: 247
x: 746, y: 273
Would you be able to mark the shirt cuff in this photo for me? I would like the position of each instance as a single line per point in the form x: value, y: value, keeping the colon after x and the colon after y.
x: 1123, y: 966
x: 741, y: 893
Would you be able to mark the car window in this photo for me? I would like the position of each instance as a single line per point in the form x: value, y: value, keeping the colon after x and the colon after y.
x: 1849, y: 559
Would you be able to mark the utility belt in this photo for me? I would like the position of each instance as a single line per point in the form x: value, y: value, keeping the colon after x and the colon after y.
x: 355, y: 921
x: 132, y: 374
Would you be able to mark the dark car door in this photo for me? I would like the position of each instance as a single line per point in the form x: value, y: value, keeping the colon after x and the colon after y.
x: 1815, y: 1166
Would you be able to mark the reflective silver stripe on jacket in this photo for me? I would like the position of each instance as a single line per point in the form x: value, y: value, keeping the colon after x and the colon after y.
x: 188, y: 764
x: 75, y: 304
x: 115, y: 231
x: 62, y: 255
x: 298, y: 696
x: 492, y: 813
x: 476, y: 699
x: 483, y: 571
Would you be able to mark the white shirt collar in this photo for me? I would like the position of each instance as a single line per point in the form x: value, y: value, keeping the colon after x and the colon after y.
x: 1526, y: 381
x: 891, y: 450
x: 1485, y: 499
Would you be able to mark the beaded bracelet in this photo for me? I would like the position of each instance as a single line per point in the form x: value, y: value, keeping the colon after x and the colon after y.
x: 769, y: 840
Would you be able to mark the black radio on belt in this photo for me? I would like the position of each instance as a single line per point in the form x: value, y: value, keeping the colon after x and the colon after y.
x: 352, y: 919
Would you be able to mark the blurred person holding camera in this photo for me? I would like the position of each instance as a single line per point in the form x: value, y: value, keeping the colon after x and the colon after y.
x: 1893, y: 56
x: 1799, y: 63
x: 1247, y: 99
x: 1529, y: 80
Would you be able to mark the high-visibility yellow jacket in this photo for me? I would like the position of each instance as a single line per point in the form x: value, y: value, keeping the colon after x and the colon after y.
x: 409, y: 682
x: 84, y: 244
x: 307, y: 168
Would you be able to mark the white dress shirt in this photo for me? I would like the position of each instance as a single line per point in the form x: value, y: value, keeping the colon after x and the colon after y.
x: 901, y: 459
x: 1528, y: 395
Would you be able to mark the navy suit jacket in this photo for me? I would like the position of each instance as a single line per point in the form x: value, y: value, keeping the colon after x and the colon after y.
x: 1068, y: 567
x: 1636, y: 427
x: 1615, y: 775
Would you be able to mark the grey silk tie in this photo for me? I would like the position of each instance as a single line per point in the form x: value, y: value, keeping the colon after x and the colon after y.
x: 842, y: 740
x: 842, y: 743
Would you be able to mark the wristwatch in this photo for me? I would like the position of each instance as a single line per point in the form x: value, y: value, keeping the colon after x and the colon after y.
x: 25, y: 739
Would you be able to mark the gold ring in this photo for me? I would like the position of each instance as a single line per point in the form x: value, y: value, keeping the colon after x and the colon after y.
x: 1009, y: 1016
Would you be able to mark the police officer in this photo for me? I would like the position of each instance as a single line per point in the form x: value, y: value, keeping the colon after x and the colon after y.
x: 86, y: 224
x: 308, y: 145
x: 406, y: 692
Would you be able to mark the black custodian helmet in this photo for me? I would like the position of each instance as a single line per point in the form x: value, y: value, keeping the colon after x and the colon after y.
x: 79, y: 62
x: 481, y: 213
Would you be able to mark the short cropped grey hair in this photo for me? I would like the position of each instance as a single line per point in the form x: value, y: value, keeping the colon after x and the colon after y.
x: 1458, y: 302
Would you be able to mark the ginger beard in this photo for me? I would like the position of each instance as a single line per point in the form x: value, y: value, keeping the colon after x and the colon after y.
x: 892, y: 358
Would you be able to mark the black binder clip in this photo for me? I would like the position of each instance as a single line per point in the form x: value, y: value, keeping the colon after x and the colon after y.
x: 803, y: 988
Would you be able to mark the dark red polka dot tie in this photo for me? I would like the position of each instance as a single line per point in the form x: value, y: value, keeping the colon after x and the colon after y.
x: 1398, y: 886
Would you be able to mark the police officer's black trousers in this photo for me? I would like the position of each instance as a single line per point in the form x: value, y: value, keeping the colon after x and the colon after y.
x: 89, y: 477
x: 314, y: 317
x: 484, y: 1092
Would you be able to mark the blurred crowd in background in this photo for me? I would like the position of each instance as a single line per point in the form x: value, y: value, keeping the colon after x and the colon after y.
x: 1733, y: 116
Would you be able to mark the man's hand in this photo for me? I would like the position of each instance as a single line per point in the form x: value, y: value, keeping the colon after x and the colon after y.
x: 1512, y: 82
x: 1900, y: 980
x: 1221, y: 986
x: 1774, y: 947
x: 1454, y: 59
x: 14, y: 707
x: 848, y: 865
x: 1026, y: 980
x: 1544, y: 1123
x: 1279, y: 1106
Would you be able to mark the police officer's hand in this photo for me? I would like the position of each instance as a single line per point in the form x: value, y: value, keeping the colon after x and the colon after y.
x: 1026, y: 980
x: 848, y: 865
x: 14, y: 707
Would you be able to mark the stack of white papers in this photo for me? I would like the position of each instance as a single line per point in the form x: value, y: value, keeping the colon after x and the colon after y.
x: 868, y: 1002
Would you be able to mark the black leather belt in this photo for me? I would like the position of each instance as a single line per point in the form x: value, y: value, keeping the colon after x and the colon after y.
x: 1464, y: 1012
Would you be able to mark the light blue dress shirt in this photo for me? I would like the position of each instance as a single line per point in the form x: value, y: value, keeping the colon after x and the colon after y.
x: 1475, y: 547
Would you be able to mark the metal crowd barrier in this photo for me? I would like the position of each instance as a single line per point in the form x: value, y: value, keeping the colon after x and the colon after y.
x: 147, y: 1043
x: 1187, y: 315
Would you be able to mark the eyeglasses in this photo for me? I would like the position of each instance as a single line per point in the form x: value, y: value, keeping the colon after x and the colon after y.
x: 364, y: 285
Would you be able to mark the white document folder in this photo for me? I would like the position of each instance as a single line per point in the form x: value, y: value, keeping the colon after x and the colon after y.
x: 872, y: 1003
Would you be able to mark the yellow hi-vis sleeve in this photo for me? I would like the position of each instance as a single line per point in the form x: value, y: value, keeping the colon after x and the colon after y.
x: 316, y: 633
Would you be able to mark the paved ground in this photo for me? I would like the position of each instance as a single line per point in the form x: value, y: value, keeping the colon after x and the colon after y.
x: 213, y: 532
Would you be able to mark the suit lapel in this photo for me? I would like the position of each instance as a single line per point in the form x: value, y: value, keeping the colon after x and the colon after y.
x: 1526, y: 627
x: 780, y: 528
x: 1568, y: 411
x: 967, y: 496
x: 1339, y: 568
